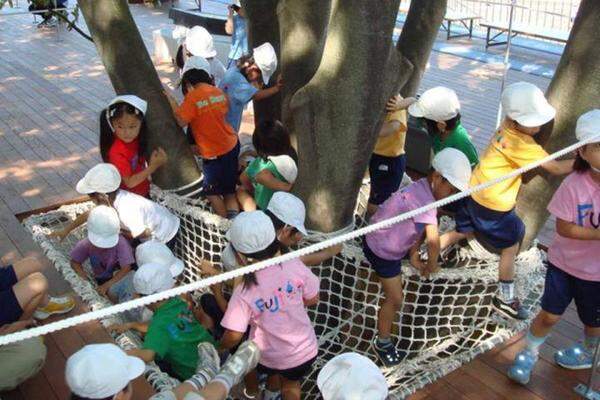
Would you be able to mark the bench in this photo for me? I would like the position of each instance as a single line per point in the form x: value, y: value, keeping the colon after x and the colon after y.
x: 502, y: 28
x: 465, y: 20
x: 13, y: 11
x: 214, y: 23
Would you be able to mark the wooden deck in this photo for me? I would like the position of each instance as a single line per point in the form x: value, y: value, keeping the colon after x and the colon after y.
x: 50, y: 94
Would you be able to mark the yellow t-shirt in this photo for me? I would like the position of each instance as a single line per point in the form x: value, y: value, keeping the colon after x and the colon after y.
x: 508, y: 150
x: 393, y: 145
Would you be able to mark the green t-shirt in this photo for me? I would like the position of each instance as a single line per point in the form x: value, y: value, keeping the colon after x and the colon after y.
x: 174, y: 335
x: 262, y: 194
x: 457, y: 139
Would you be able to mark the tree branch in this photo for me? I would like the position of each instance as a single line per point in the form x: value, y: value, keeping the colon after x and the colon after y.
x: 70, y: 24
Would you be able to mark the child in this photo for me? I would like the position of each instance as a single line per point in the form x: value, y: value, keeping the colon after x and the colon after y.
x: 573, y: 267
x: 236, y: 27
x: 123, y: 143
x: 272, y: 301
x: 173, y: 333
x: 199, y: 42
x: 246, y: 80
x: 387, y: 164
x: 490, y: 212
x: 110, y: 254
x: 273, y: 170
x: 203, y: 109
x: 385, y: 248
x: 440, y: 109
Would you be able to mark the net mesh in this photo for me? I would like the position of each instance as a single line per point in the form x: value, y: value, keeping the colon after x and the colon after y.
x: 446, y: 320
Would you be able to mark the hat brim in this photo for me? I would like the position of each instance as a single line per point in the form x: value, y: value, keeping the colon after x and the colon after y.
x: 416, y: 110
x: 541, y: 118
x: 198, y: 52
x: 462, y: 186
x: 266, y: 76
x: 83, y: 188
x: 135, y: 367
x: 103, y: 242
x: 302, y: 229
x: 176, y: 268
x: 228, y: 259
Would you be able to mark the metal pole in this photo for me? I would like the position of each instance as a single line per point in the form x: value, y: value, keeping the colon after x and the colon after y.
x: 589, y: 392
x: 506, y: 58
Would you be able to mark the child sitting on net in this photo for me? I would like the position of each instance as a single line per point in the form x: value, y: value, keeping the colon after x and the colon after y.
x: 273, y: 170
x: 273, y: 302
x: 386, y: 248
x: 573, y: 270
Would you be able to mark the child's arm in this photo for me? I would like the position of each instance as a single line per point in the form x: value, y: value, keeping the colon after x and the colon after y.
x: 145, y: 354
x: 230, y: 339
x: 415, y: 258
x: 246, y: 182
x: 229, y: 23
x: 389, y: 128
x: 320, y: 256
x: 311, y: 302
x: 266, y: 93
x: 562, y: 167
x: 78, y: 268
x: 219, y: 297
x: 266, y: 178
x: 174, y: 107
x: 157, y: 159
x: 397, y: 103
x: 432, y: 238
x: 77, y: 222
x: 104, y: 288
x: 141, y: 327
x: 574, y: 231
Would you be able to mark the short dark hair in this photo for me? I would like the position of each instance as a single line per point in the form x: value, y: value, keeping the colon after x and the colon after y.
x: 277, y: 223
x: 451, y: 124
x: 194, y: 77
x: 107, y: 135
x: 265, y: 254
x: 271, y: 138
x: 580, y: 165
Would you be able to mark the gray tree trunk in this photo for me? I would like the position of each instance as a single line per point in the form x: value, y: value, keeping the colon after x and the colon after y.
x: 130, y: 70
x: 574, y: 90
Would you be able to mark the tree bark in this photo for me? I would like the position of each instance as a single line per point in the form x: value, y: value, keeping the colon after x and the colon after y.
x: 573, y: 91
x: 131, y: 71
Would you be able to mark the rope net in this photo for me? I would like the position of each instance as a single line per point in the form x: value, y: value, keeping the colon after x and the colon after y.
x: 446, y: 320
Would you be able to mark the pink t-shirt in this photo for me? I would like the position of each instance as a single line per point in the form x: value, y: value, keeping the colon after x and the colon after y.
x: 577, y: 200
x: 394, y: 242
x: 274, y: 308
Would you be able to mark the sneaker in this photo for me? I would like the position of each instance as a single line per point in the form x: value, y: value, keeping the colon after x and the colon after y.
x: 520, y: 371
x: 574, y: 357
x: 56, y: 305
x: 208, y: 358
x: 240, y: 363
x: 513, y: 310
x: 387, y: 353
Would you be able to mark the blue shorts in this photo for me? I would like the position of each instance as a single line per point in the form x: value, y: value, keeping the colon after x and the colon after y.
x: 221, y: 173
x: 291, y: 374
x: 10, y: 309
x: 386, y: 175
x: 384, y: 268
x: 500, y: 229
x: 560, y: 288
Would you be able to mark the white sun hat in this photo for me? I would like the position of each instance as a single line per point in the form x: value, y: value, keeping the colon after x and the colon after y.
x: 588, y: 126
x: 251, y: 232
x: 286, y: 166
x: 157, y: 252
x: 99, y: 371
x: 236, y: 3
x: 453, y: 165
x: 266, y: 60
x: 132, y: 100
x: 289, y: 209
x: 101, y: 178
x: 196, y: 62
x: 438, y: 104
x: 103, y: 227
x: 351, y: 376
x: 228, y: 259
x: 153, y: 278
x: 525, y: 103
x: 199, y: 42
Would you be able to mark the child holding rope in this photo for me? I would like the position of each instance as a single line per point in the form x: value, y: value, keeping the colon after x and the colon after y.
x: 573, y: 266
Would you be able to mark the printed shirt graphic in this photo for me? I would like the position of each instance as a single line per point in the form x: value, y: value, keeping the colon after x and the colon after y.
x: 125, y: 157
x: 239, y: 92
x: 457, y: 139
x: 174, y: 335
x: 508, y: 151
x: 577, y: 200
x: 275, y: 311
x: 204, y: 109
x: 103, y: 261
x: 393, y: 243
x: 393, y: 145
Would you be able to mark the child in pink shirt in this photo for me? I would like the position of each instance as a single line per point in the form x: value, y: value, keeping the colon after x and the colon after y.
x: 573, y: 265
x: 273, y: 302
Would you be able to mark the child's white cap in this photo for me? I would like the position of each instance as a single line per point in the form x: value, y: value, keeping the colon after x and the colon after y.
x: 289, y: 209
x: 438, y: 104
x: 153, y: 278
x: 588, y: 126
x: 351, y: 376
x: 199, y: 42
x: 251, y: 232
x: 286, y: 166
x: 157, y: 252
x: 236, y: 3
x: 196, y: 62
x: 101, y: 178
x: 266, y: 60
x: 99, y: 371
x: 453, y: 165
x: 228, y: 259
x: 103, y: 227
x: 132, y: 100
x: 525, y: 103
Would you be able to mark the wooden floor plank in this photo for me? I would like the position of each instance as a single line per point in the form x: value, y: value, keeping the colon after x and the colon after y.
x: 54, y: 368
x: 38, y: 388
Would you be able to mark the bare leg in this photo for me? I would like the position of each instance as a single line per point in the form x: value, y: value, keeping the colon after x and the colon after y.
x: 391, y: 304
x: 218, y: 205
x: 506, y: 269
x: 290, y: 390
x: 27, y: 266
x: 589, y: 331
x: 31, y: 293
x: 543, y: 324
x: 450, y: 238
x: 246, y: 200
x: 251, y: 383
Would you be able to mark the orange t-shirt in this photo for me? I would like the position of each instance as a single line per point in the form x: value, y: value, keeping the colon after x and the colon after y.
x: 204, y: 108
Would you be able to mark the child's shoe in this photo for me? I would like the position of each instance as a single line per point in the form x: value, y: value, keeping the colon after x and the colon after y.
x: 56, y: 305
x: 574, y: 357
x: 239, y: 364
x: 387, y: 353
x: 521, y: 369
x: 513, y: 310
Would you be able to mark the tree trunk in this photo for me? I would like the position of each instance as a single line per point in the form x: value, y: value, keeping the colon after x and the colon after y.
x: 573, y: 91
x: 130, y: 70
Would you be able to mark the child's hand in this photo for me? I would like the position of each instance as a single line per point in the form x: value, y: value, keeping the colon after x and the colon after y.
x: 430, y: 268
x: 279, y: 83
x: 103, y: 289
x: 415, y: 260
x: 397, y: 102
x: 158, y: 158
x: 118, y: 328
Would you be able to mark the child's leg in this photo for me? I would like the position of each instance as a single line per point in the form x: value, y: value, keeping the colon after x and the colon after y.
x: 26, y: 267
x: 218, y: 205
x: 251, y: 384
x: 246, y: 200
x: 390, y: 305
x: 453, y: 237
x: 31, y: 293
x: 290, y: 390
x: 273, y: 387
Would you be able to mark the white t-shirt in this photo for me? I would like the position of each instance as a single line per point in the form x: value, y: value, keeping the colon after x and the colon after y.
x: 217, y: 69
x: 138, y: 213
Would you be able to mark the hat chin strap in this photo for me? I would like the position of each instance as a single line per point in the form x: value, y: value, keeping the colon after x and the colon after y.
x: 108, y: 115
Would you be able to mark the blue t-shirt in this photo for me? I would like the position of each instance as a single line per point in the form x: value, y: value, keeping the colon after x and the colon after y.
x: 239, y: 38
x: 240, y: 92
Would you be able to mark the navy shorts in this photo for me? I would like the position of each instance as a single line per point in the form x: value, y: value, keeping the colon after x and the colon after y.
x: 220, y: 174
x: 10, y: 309
x: 500, y: 229
x: 386, y: 175
x: 292, y: 374
x: 560, y: 288
x: 384, y: 268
